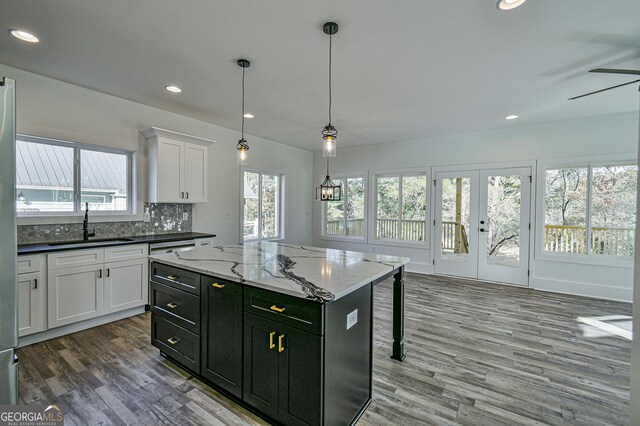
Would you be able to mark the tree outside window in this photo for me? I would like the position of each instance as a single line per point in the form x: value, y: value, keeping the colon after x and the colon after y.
x: 261, y: 204
x: 346, y: 218
x: 401, y: 207
x: 591, y: 210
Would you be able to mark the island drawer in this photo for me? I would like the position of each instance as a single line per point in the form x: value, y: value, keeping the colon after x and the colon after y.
x: 175, y: 277
x: 289, y: 310
x: 176, y: 342
x: 177, y: 306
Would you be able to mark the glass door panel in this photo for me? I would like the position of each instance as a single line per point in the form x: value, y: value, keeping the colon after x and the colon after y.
x: 504, y: 225
x: 456, y: 213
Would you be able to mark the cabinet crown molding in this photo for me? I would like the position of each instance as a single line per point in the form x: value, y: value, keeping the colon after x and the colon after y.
x: 157, y: 132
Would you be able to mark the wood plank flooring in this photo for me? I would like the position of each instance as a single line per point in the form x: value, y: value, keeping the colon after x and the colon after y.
x: 477, y: 354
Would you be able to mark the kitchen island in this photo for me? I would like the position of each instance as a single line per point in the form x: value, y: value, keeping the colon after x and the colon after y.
x: 284, y: 330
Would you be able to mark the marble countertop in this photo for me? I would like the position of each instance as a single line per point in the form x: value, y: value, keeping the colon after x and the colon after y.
x: 308, y: 272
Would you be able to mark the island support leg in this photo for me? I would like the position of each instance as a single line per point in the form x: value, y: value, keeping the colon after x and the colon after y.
x: 398, y: 315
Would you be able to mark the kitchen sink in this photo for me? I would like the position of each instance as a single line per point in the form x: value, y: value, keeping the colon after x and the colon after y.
x: 91, y: 242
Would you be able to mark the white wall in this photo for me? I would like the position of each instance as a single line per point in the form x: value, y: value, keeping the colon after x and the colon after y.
x: 601, y: 136
x: 54, y: 109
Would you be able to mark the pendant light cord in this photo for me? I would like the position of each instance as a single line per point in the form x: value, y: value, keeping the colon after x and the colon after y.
x: 330, y: 46
x: 243, y: 102
x: 327, y: 167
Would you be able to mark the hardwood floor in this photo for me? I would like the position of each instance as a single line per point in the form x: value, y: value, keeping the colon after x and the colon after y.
x: 477, y: 354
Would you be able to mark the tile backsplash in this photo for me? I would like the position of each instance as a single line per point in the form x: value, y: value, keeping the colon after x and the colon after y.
x: 163, y: 219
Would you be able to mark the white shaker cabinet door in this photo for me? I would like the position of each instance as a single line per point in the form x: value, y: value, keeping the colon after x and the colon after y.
x: 126, y: 284
x: 31, y: 303
x: 75, y: 294
x: 170, y: 172
x: 195, y: 173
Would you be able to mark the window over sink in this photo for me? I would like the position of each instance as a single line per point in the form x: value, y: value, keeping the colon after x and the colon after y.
x: 58, y: 177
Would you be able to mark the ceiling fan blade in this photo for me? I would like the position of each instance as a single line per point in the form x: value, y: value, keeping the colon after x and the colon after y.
x: 616, y: 71
x: 604, y: 90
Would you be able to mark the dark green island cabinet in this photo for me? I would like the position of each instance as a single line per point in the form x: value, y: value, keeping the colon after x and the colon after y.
x: 293, y: 361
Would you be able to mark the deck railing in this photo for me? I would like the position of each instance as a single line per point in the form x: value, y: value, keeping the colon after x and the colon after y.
x: 452, y: 242
x: 411, y: 230
x: 604, y: 240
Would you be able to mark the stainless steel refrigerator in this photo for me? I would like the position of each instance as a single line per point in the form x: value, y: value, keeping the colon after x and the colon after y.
x: 8, y: 255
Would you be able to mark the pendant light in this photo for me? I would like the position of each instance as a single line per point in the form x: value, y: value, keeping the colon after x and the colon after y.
x: 329, y: 133
x: 243, y: 147
x: 328, y: 190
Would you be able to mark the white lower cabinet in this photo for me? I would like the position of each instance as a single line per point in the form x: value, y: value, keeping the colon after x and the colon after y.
x: 81, y: 285
x: 32, y: 289
x: 125, y: 285
x: 75, y: 294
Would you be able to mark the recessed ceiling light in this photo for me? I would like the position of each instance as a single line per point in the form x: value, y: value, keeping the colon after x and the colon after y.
x: 247, y: 115
x: 173, y: 89
x: 24, y: 36
x: 509, y: 4
x: 511, y: 117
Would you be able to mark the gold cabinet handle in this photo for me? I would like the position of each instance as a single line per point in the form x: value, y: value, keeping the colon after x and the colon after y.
x: 271, y: 344
x: 216, y: 285
x: 172, y: 305
x: 172, y: 277
x: 277, y: 309
x: 173, y: 340
x: 280, y: 347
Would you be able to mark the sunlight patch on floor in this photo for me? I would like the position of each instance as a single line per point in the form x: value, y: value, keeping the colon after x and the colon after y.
x: 605, y: 326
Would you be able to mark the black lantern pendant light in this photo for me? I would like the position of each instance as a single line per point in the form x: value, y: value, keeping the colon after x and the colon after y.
x: 243, y: 147
x: 328, y: 189
x: 329, y: 133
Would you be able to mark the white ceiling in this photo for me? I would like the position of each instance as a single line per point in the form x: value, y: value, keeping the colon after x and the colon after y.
x: 403, y: 70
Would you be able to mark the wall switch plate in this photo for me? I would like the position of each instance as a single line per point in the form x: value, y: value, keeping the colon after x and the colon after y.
x: 352, y: 319
x: 185, y: 216
x: 227, y: 216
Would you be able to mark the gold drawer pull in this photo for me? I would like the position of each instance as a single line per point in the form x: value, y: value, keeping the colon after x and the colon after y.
x: 280, y: 347
x: 271, y: 344
x: 172, y: 305
x: 216, y: 285
x: 173, y: 340
x: 275, y: 308
x: 172, y: 277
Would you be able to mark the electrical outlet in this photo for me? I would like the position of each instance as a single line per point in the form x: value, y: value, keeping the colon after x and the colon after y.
x: 185, y: 216
x: 352, y: 319
x: 146, y: 217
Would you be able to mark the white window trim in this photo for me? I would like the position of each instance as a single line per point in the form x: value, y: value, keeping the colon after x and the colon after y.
x: 78, y: 212
x: 373, y: 208
x: 584, y: 161
x: 281, y: 203
x: 323, y: 210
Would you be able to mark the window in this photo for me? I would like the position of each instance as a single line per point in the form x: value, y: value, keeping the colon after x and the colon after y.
x: 591, y: 210
x: 346, y: 218
x: 55, y: 177
x: 262, y: 196
x: 401, y: 207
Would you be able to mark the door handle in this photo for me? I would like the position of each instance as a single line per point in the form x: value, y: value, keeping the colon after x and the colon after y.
x: 481, y: 229
x: 216, y: 285
x: 271, y: 344
x: 172, y: 305
x: 182, y: 195
x: 187, y: 194
x: 99, y: 273
x: 108, y: 272
x: 482, y: 222
x: 173, y: 340
x: 280, y: 347
x: 172, y: 277
x: 277, y: 309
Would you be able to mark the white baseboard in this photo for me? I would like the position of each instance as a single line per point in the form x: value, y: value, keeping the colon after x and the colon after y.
x: 419, y: 268
x: 83, y: 325
x: 578, y: 288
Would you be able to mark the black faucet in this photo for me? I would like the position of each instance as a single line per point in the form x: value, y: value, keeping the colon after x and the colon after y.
x: 85, y: 225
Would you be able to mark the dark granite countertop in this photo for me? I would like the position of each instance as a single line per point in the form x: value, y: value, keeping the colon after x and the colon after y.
x: 137, y: 239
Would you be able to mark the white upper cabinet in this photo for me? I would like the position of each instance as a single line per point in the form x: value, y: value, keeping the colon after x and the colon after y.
x: 177, y: 167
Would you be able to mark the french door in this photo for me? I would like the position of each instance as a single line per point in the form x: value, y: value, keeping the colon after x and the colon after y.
x: 482, y: 224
